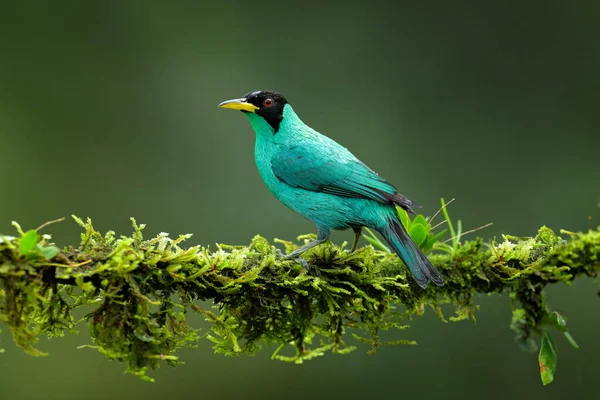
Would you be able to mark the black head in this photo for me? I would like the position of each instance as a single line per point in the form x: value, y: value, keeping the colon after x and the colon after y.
x: 266, y: 104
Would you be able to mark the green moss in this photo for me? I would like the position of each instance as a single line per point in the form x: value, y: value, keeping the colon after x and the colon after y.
x: 139, y: 292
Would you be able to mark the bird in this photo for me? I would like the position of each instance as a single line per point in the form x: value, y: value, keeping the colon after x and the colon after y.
x: 324, y: 182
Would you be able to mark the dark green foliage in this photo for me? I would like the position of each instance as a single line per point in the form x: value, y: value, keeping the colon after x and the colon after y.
x: 139, y: 292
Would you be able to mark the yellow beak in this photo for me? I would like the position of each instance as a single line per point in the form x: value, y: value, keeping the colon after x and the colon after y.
x: 239, y: 104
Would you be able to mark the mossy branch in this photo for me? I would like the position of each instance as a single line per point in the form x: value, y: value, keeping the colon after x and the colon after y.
x: 138, y: 292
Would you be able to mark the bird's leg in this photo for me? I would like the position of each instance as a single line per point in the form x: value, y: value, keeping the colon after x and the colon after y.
x: 322, y: 236
x: 357, y: 232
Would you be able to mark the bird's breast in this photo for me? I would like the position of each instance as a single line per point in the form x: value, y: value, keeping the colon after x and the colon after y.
x: 297, y: 199
x: 264, y: 152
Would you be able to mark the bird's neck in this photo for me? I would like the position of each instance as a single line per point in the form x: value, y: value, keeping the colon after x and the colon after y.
x: 290, y: 124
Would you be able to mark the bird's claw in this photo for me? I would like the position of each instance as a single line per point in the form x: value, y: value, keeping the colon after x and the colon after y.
x: 303, y: 262
x: 292, y: 257
x: 280, y: 253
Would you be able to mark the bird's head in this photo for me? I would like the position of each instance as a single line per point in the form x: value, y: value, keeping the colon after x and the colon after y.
x: 268, y: 106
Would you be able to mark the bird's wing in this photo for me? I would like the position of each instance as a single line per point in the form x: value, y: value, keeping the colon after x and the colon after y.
x: 325, y: 166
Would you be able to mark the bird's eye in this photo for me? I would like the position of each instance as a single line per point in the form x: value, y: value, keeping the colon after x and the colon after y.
x: 268, y: 102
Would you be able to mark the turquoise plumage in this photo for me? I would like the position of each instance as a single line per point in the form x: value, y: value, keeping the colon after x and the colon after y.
x: 324, y: 182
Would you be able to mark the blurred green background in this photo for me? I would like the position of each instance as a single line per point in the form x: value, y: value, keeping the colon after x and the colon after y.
x: 108, y: 110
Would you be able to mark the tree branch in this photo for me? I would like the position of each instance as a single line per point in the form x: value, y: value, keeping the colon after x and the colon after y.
x: 140, y: 290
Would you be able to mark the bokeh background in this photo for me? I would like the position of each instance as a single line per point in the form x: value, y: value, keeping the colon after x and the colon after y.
x: 108, y: 110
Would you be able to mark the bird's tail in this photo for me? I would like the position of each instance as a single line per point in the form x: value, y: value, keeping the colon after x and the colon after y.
x: 420, y: 267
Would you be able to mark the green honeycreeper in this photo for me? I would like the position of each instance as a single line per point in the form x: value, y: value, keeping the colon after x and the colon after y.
x: 322, y: 181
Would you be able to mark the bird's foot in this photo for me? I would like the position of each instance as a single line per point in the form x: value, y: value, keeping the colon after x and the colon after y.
x: 293, y: 257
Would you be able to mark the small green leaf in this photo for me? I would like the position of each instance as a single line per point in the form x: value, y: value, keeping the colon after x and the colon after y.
x: 557, y: 321
x: 28, y: 242
x: 570, y: 339
x: 420, y: 219
x: 404, y: 218
x: 427, y: 244
x: 418, y: 233
x: 438, y: 236
x: 432, y: 239
x: 547, y: 359
x: 49, y: 252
